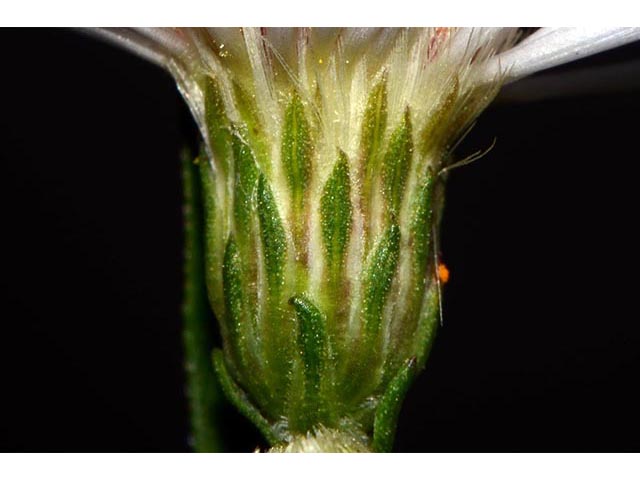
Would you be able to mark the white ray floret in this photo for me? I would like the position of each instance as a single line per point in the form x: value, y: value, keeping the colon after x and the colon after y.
x: 551, y: 47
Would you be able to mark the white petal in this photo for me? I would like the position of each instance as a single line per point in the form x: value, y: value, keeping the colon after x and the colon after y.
x: 132, y: 41
x: 171, y: 39
x: 158, y: 45
x: 550, y: 47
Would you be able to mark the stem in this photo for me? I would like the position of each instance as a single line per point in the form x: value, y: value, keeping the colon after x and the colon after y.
x: 203, y: 391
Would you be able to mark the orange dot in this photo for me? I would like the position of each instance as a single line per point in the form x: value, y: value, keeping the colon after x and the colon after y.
x: 443, y: 273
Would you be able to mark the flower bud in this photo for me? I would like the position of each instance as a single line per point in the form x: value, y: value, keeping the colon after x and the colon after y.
x: 323, y: 179
x: 325, y: 156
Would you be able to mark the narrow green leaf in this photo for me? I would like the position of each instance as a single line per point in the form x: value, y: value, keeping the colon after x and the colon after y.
x: 335, y: 213
x: 252, y: 127
x: 427, y: 325
x: 313, y: 345
x: 381, y: 269
x: 241, y: 401
x: 397, y: 162
x: 374, y: 123
x: 203, y: 391
x: 247, y: 109
x: 296, y: 149
x: 386, y: 417
x: 236, y: 299
x: 422, y: 224
x: 402, y: 343
x: 241, y: 331
x: 273, y: 237
x: 278, y: 324
x: 213, y: 238
x: 217, y: 122
x: 312, y: 342
x: 246, y: 173
x: 232, y: 281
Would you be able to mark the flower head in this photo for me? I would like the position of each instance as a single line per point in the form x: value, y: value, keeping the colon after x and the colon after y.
x: 325, y: 157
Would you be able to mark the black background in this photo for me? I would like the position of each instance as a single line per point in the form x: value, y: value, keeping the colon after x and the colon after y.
x: 540, y: 346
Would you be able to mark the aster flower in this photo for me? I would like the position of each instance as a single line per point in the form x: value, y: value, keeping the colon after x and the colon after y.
x: 323, y: 168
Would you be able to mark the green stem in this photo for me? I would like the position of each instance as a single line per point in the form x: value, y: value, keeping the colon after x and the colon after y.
x: 203, y: 391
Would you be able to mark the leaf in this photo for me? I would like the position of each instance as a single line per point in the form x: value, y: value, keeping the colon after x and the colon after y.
x: 397, y: 162
x: 426, y: 295
x: 386, y: 417
x: 296, y: 150
x: 273, y: 237
x: 213, y: 238
x: 335, y: 213
x: 313, y: 344
x: 427, y: 325
x: 252, y: 127
x: 422, y: 225
x: 278, y: 325
x: 235, y: 296
x: 312, y: 341
x: 247, y: 109
x: 381, y: 269
x: 241, y: 401
x: 374, y: 123
x: 217, y: 122
x: 245, y: 185
x: 241, y: 339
